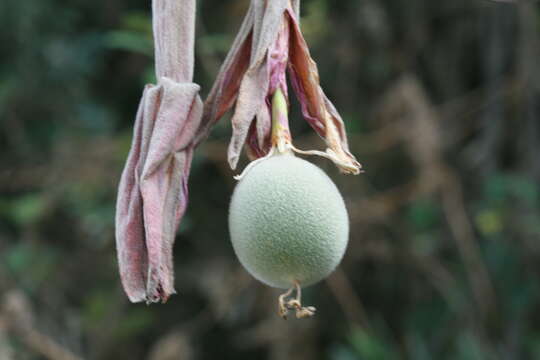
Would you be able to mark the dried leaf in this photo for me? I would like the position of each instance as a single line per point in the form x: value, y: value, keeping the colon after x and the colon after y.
x: 153, y: 192
x: 272, y: 30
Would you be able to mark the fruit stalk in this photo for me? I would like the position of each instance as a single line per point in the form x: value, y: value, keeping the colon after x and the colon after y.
x: 280, y: 139
x: 281, y: 135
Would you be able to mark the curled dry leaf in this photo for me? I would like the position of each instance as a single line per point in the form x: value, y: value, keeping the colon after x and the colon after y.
x: 153, y: 193
x: 268, y: 44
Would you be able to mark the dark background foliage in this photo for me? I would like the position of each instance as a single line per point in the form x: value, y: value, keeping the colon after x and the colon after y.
x: 441, y: 100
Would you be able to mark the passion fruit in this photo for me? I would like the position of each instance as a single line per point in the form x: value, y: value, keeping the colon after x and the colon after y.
x: 288, y: 222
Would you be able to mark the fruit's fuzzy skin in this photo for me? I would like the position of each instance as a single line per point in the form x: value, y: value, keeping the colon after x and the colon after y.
x: 288, y: 222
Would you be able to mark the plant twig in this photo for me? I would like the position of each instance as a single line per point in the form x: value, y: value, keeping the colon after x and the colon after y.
x: 19, y: 315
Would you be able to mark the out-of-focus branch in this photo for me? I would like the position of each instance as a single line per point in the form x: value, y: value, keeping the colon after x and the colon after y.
x: 17, y: 312
x: 406, y: 107
x: 462, y: 230
x: 6, y: 352
x: 349, y: 301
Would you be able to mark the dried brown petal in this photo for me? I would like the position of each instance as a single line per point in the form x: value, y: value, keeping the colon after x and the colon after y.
x: 316, y: 108
x: 259, y: 30
x: 272, y: 30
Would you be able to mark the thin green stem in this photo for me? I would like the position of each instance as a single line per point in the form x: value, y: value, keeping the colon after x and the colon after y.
x: 281, y: 135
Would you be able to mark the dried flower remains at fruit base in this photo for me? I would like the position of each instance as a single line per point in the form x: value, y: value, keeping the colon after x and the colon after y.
x: 268, y: 45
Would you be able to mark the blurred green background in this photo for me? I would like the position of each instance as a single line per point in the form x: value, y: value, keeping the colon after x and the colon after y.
x: 442, y: 104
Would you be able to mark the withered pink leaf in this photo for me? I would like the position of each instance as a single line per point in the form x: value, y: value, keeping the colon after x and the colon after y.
x: 248, y: 79
x: 153, y: 193
x: 259, y: 30
x: 130, y: 243
x: 317, y: 109
x: 225, y: 90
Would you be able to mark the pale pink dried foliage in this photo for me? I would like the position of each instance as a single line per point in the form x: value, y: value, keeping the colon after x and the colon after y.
x: 153, y: 193
x: 269, y: 42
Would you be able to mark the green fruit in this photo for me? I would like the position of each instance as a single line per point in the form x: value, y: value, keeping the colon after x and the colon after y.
x: 288, y: 222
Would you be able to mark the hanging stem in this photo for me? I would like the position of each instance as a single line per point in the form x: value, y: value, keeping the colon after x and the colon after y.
x: 174, y: 38
x: 281, y: 135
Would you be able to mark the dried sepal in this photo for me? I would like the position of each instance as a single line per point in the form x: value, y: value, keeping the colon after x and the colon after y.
x: 271, y: 29
x: 247, y: 87
x: 317, y: 109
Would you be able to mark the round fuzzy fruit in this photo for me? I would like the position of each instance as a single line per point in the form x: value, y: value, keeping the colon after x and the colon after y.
x: 288, y: 222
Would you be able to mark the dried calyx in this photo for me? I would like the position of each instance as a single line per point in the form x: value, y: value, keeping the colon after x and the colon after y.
x: 269, y: 45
